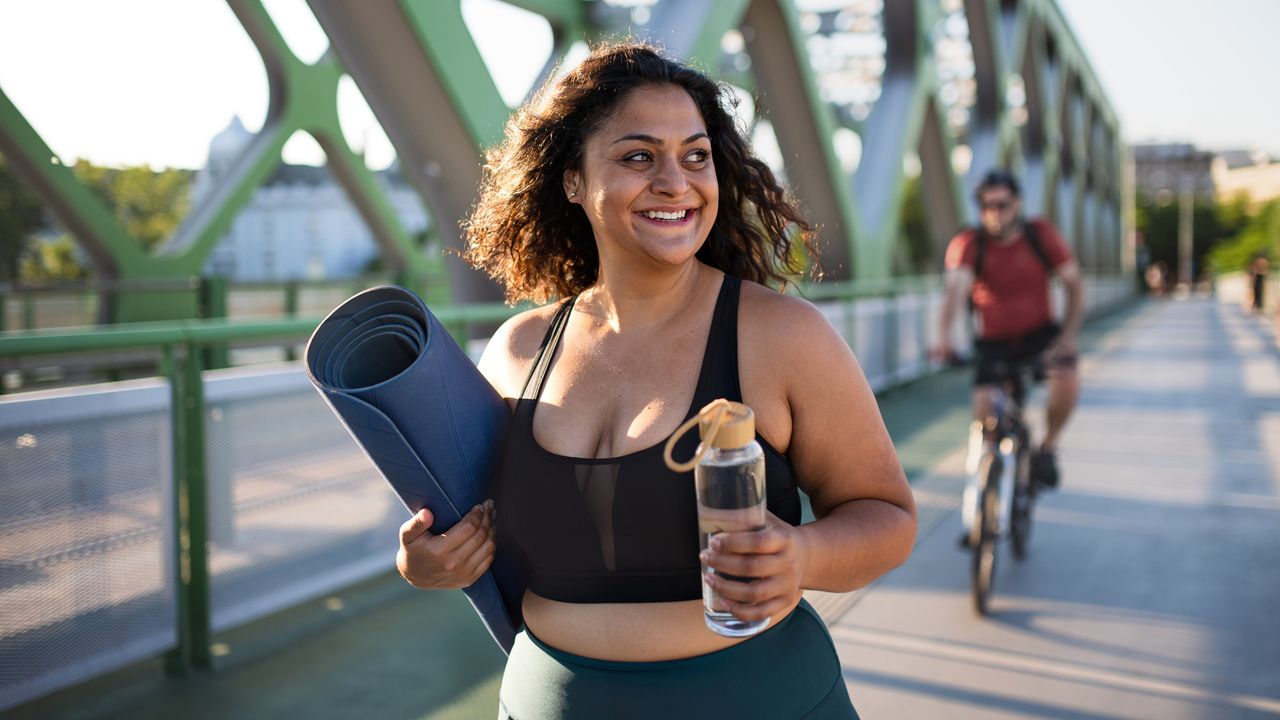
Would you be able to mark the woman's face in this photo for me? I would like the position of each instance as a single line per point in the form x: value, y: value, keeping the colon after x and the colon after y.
x: 647, y: 181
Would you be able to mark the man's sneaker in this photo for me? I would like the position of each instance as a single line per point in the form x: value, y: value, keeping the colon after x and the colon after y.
x: 1044, y: 468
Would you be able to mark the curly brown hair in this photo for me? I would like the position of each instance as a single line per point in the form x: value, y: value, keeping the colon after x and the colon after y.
x: 525, y: 234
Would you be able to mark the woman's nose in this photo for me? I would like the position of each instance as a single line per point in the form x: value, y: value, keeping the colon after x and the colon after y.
x: 668, y: 178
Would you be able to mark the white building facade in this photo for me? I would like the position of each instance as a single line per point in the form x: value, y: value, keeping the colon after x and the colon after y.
x: 300, y: 225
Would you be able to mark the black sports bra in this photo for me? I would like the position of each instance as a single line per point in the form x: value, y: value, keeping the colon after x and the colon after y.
x: 621, y: 529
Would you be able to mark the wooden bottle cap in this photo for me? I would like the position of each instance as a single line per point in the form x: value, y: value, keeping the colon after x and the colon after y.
x: 737, y: 424
x: 722, y: 424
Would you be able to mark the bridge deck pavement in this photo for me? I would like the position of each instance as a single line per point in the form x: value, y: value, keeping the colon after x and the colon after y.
x: 1151, y: 588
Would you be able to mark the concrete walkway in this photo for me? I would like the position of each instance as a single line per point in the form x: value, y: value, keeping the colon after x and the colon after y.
x: 1152, y: 587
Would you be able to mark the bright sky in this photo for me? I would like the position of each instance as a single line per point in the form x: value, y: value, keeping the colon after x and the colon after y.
x: 151, y: 81
x: 126, y: 82
x: 1179, y: 70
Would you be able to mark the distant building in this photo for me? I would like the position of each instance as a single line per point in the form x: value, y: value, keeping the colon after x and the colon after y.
x: 1252, y: 174
x: 1161, y: 171
x: 299, y: 225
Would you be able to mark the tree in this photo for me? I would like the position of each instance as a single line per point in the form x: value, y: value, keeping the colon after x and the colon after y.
x: 21, y: 214
x: 56, y: 260
x: 150, y: 204
x: 915, y: 253
x: 1260, y: 235
x: 1212, y: 223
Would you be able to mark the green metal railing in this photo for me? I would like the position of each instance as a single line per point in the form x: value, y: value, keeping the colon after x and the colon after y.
x: 213, y: 294
x: 183, y: 347
x: 865, y: 289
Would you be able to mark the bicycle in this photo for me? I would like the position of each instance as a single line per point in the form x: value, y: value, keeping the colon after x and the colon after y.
x: 1002, y: 480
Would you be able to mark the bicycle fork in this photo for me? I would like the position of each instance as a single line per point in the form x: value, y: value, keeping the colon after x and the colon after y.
x: 981, y: 442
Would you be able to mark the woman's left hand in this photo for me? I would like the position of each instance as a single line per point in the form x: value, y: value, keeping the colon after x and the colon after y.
x: 771, y: 560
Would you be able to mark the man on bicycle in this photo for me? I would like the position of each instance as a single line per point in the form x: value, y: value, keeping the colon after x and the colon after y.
x: 1003, y: 268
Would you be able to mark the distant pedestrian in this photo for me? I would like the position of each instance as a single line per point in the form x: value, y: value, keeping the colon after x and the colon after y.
x: 1258, y: 276
x: 1157, y: 276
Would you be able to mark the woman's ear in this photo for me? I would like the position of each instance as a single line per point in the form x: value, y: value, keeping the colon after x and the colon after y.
x: 571, y: 180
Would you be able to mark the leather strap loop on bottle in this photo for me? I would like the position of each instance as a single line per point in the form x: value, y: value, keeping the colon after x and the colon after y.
x: 716, y: 411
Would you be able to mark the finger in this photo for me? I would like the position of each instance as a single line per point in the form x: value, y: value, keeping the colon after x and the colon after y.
x: 479, y: 561
x: 749, y: 593
x: 416, y: 526
x: 482, y: 533
x: 461, y: 540
x: 459, y: 534
x: 768, y: 540
x: 757, y: 611
x: 768, y: 593
x: 466, y: 542
x: 749, y: 565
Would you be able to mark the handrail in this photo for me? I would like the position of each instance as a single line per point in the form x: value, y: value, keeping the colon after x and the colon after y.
x: 98, y: 285
x: 52, y: 341
x: 870, y: 287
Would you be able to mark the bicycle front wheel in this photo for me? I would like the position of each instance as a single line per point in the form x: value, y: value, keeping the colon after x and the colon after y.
x: 986, y: 529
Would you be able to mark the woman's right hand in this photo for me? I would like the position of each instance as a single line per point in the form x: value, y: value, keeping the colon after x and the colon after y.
x: 453, y: 559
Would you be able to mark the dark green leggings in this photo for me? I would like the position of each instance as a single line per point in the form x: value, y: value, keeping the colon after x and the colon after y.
x: 789, y: 671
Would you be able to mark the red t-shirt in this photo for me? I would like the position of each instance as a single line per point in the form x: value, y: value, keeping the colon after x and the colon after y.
x: 1012, y: 295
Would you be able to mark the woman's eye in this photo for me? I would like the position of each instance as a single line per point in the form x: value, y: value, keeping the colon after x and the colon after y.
x: 637, y: 156
x: 698, y: 156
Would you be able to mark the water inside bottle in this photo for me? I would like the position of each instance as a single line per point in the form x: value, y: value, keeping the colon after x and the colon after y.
x: 731, y: 498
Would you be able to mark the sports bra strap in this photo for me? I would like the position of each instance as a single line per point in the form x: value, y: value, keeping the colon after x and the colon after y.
x: 542, y: 361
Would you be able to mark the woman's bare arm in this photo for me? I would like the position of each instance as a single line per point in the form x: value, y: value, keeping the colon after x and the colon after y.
x: 796, y: 365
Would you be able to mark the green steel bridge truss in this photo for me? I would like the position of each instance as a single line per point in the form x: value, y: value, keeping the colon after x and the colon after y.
x: 421, y: 72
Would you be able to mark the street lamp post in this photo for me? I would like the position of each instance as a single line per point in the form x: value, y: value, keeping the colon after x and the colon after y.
x: 1185, y: 207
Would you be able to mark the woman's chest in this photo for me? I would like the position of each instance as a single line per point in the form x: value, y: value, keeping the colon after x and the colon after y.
x: 606, y: 402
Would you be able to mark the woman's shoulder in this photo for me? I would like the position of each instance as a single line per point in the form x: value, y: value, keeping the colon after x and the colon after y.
x: 789, y: 357
x: 514, y: 345
x: 790, y: 334
x: 780, y: 315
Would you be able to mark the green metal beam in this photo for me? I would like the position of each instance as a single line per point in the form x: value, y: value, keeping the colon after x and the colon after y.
x: 725, y: 15
x: 302, y: 97
x: 450, y: 48
x: 860, y: 225
x: 569, y: 16
x: 804, y: 124
x: 82, y: 212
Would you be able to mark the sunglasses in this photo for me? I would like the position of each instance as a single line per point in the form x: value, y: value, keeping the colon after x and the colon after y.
x: 999, y: 205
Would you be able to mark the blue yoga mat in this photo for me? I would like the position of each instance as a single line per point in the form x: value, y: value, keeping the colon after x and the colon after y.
x: 424, y: 414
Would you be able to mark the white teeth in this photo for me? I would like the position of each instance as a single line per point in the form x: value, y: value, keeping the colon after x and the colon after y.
x: 679, y: 215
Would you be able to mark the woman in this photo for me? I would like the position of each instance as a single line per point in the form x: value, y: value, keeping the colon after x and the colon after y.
x: 625, y: 188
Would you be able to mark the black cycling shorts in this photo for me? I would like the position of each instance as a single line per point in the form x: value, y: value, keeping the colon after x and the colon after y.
x: 1022, y: 349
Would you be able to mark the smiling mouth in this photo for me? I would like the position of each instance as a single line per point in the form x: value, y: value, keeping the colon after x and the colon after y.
x: 674, y: 217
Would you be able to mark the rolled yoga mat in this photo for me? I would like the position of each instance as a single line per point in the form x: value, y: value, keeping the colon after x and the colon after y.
x: 424, y: 414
